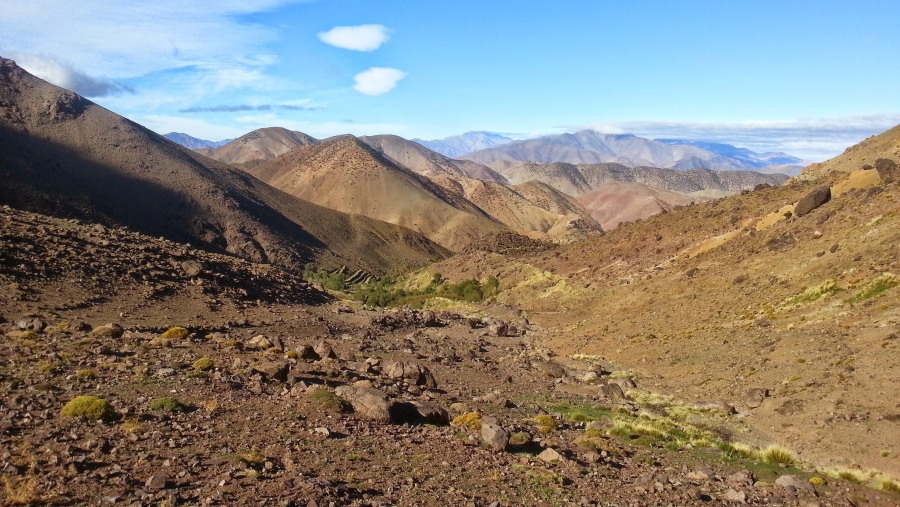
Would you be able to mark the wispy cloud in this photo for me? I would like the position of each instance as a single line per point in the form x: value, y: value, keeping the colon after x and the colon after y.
x: 67, y: 77
x: 356, y: 38
x: 247, y: 108
x: 377, y: 80
x: 812, y: 139
x: 130, y: 39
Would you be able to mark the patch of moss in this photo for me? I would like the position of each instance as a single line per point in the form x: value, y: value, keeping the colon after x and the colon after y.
x: 167, y: 404
x: 203, y: 364
x: 175, y: 333
x: 472, y: 420
x: 329, y: 400
x: 545, y: 423
x: 90, y: 408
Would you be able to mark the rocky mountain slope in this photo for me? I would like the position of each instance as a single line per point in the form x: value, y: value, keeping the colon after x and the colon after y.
x: 883, y: 146
x: 427, y: 162
x: 591, y: 147
x: 64, y: 155
x: 258, y: 146
x: 617, y: 202
x: 456, y: 146
x: 347, y: 175
x: 782, y: 304
x: 158, y: 374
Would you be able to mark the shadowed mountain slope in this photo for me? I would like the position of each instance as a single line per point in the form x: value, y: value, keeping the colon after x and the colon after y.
x: 64, y: 155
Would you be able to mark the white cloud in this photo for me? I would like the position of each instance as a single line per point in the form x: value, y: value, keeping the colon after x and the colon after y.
x: 356, y: 38
x: 377, y: 80
x: 131, y: 38
x: 67, y: 77
x: 813, y: 139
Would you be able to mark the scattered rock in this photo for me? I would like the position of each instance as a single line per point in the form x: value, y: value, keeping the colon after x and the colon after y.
x: 624, y: 382
x: 812, y: 201
x: 794, y: 482
x: 887, y: 170
x: 493, y: 435
x: 612, y: 392
x: 416, y: 373
x: 192, y: 268
x: 259, y: 342
x: 367, y: 401
x: 156, y: 482
x: 272, y: 370
x: 733, y: 495
x: 31, y: 324
x: 324, y: 351
x: 108, y: 331
x: 306, y: 352
x: 551, y: 455
x: 755, y: 397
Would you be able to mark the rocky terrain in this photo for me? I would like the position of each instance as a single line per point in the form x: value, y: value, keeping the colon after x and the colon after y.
x: 158, y: 374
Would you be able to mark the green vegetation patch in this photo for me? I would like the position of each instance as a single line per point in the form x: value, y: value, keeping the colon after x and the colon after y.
x: 874, y: 288
x: 389, y: 292
x: 823, y: 290
x: 329, y: 401
x: 89, y: 408
x: 167, y: 404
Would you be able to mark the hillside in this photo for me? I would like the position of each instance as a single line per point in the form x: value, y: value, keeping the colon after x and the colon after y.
x: 798, y: 314
x: 427, y: 162
x: 66, y: 156
x: 885, y: 145
x: 616, y: 202
x: 591, y: 147
x: 347, y: 175
x: 258, y: 146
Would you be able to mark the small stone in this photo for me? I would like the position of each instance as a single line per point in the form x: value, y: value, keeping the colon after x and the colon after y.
x: 324, y: 351
x: 550, y: 455
x: 111, y: 330
x: 612, y: 392
x: 156, y: 482
x: 733, y: 495
x: 794, y: 482
x: 259, y: 342
x: 367, y: 401
x: 755, y: 397
x: 418, y: 374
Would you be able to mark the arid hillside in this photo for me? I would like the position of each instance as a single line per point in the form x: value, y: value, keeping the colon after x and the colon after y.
x: 347, y: 175
x: 64, y: 155
x: 254, y: 148
x: 780, y: 303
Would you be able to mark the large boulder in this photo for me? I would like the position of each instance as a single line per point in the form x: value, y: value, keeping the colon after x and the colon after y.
x: 367, y: 401
x: 415, y: 373
x: 887, y: 170
x: 812, y: 201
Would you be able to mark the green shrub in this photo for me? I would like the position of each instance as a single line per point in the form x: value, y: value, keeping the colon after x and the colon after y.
x: 777, y: 455
x: 203, y: 364
x: 876, y: 287
x: 545, y: 423
x: 823, y: 290
x: 90, y: 408
x: 329, y: 400
x: 472, y: 420
x: 175, y: 333
x: 167, y: 404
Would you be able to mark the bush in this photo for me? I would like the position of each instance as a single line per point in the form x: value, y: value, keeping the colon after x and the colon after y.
x: 175, y: 333
x: 777, y: 455
x: 545, y: 423
x: 203, y: 364
x: 167, y: 404
x: 472, y: 420
x: 90, y: 408
x: 329, y: 400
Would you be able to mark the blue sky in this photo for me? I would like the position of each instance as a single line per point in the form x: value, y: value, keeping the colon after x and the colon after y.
x: 806, y: 77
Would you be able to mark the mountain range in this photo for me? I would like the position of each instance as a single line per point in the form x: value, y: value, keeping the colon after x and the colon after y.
x: 66, y: 156
x: 459, y: 145
x: 192, y: 142
x: 591, y: 147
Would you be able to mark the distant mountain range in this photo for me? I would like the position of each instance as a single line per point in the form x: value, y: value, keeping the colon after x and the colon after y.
x: 457, y: 146
x: 591, y: 147
x: 194, y: 143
